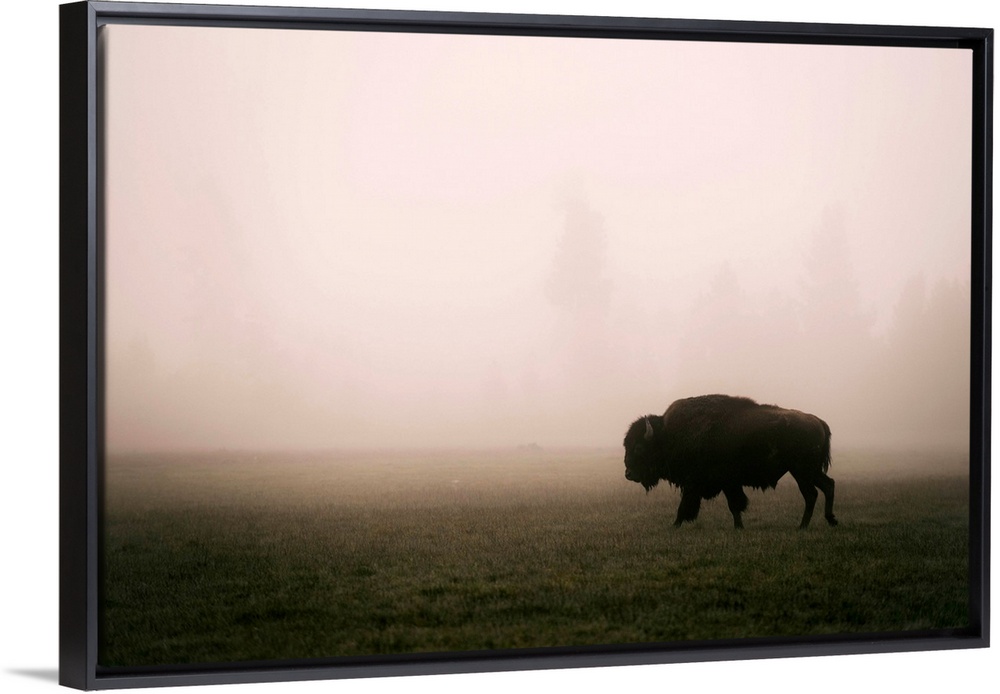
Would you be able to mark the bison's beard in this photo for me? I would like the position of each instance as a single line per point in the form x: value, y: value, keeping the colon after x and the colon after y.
x: 649, y: 484
x: 646, y: 480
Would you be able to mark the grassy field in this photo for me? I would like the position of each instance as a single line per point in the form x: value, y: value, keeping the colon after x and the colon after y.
x: 234, y: 556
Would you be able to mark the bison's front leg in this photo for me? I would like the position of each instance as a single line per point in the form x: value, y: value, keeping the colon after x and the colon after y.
x: 738, y: 503
x: 688, y: 510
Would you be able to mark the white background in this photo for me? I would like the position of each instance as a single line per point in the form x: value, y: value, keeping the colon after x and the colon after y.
x: 29, y: 385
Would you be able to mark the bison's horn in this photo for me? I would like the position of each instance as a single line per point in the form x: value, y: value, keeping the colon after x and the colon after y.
x: 649, y: 430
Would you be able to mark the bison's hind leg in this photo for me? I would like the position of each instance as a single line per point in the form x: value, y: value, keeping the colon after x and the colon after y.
x: 808, y: 485
x: 826, y: 485
x: 738, y: 503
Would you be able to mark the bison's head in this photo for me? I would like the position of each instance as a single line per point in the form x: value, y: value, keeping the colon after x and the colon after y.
x: 642, y: 451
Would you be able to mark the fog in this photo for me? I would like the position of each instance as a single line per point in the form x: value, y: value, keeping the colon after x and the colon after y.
x: 355, y: 240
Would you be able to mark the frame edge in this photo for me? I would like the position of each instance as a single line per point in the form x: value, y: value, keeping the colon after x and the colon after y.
x: 77, y: 188
x: 79, y: 344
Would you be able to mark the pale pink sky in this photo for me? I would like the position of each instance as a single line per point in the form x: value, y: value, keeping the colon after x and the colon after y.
x: 313, y: 234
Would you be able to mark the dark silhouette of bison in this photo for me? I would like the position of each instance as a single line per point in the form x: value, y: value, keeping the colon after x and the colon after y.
x: 719, y: 443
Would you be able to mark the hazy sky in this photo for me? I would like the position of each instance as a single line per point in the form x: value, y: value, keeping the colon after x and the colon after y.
x: 319, y: 238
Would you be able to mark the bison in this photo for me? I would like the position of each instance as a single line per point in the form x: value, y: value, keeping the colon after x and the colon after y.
x: 719, y: 443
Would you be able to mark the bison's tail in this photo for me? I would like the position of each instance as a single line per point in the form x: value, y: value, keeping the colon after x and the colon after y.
x: 825, y: 451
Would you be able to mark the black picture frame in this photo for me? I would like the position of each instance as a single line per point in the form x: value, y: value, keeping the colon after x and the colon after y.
x: 81, y: 355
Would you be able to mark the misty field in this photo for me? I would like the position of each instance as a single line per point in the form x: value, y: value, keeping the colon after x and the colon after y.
x: 234, y: 556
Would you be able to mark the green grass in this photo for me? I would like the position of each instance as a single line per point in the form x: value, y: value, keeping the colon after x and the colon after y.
x: 240, y: 557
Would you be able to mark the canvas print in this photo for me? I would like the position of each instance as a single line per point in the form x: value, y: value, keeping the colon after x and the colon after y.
x: 440, y: 343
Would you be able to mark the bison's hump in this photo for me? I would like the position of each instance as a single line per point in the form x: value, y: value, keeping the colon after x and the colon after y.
x: 697, y: 416
x: 707, y: 406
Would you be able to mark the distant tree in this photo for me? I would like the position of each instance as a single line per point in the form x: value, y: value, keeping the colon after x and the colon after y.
x: 837, y: 343
x: 578, y: 284
x: 832, y: 315
x: 718, y: 347
x: 716, y: 322
x: 923, y: 366
x: 585, y: 363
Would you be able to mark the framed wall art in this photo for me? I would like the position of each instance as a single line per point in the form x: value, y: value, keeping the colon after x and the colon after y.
x: 399, y: 342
